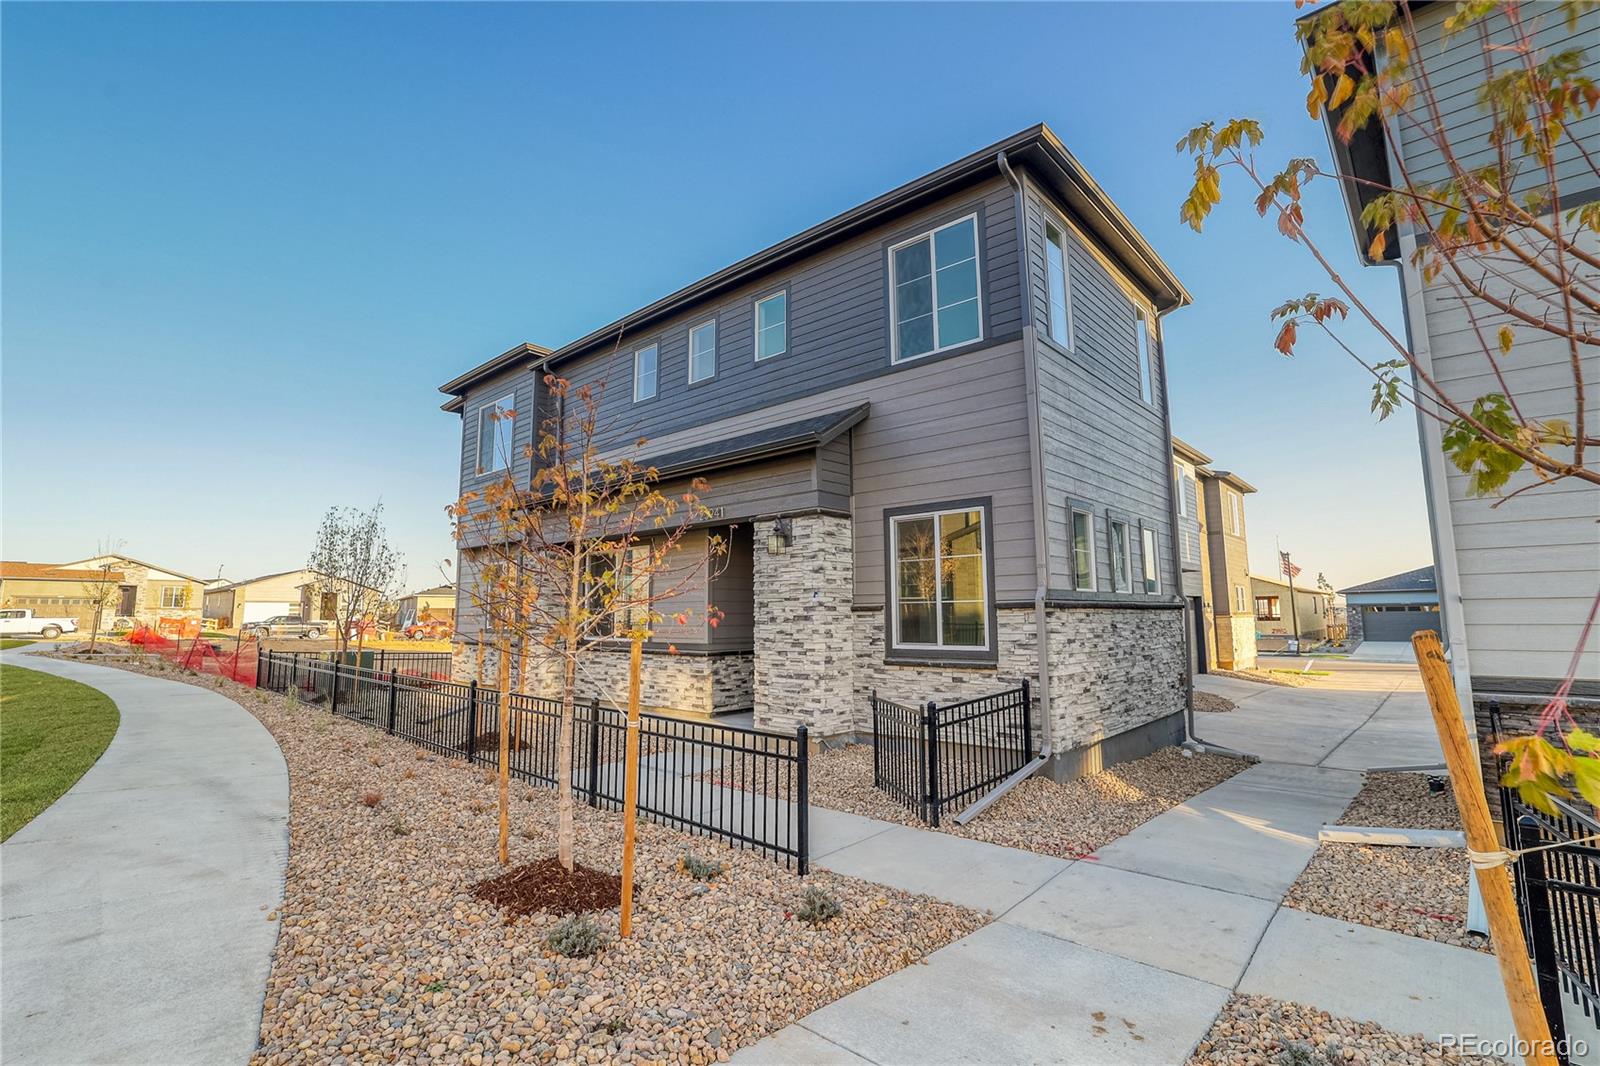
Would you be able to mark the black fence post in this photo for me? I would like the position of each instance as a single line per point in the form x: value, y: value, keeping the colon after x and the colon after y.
x: 264, y: 670
x: 594, y: 751
x: 294, y: 671
x: 1541, y: 934
x: 1027, y: 721
x: 333, y: 692
x: 383, y: 658
x: 877, y: 753
x: 472, y: 719
x: 930, y: 733
x: 394, y: 695
x: 802, y: 798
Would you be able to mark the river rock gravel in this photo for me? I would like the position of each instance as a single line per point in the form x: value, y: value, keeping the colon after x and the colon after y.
x: 1260, y: 1031
x: 384, y: 954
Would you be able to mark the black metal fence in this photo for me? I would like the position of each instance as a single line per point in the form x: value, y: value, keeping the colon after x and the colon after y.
x: 432, y: 664
x: 742, y: 786
x: 933, y: 758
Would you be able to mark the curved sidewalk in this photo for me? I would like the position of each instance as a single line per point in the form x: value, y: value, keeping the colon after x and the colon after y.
x: 134, y: 910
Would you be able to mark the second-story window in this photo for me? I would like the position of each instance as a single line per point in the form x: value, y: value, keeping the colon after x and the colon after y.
x: 1121, y: 564
x: 644, y: 373
x: 1235, y: 526
x: 1055, y: 260
x: 772, y: 325
x: 1146, y: 374
x: 703, y: 351
x: 1082, y: 550
x: 1152, y: 566
x: 494, y: 434
x: 934, y: 290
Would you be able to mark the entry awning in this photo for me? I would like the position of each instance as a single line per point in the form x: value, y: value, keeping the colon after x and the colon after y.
x: 807, y: 434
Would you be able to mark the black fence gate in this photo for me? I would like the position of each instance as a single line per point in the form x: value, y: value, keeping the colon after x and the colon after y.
x: 933, y: 758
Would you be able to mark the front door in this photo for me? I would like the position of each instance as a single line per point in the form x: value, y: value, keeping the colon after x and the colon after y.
x: 330, y: 606
x: 1197, y: 611
x: 129, y: 595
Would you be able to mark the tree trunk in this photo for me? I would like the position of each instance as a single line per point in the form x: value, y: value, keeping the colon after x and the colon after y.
x: 505, y: 751
x: 94, y: 633
x: 566, y: 832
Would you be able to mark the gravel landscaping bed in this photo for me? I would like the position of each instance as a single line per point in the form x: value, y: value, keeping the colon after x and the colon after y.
x: 1260, y: 1031
x: 1213, y: 703
x: 1420, y: 892
x: 385, y: 954
x: 1066, y: 820
x: 1285, y: 680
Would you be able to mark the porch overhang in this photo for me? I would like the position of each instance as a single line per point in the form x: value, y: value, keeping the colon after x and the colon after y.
x: 805, y: 435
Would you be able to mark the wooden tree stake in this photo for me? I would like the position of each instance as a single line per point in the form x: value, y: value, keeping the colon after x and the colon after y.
x: 1505, y: 928
x: 505, y: 752
x: 630, y: 784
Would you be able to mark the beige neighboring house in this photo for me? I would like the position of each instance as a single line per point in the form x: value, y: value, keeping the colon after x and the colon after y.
x: 147, y: 592
x: 313, y: 603
x: 230, y: 606
x: 1281, y: 617
x: 1215, y: 560
x: 438, y: 603
x: 55, y: 591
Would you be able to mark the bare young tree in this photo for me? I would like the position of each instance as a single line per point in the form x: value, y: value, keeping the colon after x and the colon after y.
x: 584, y: 552
x: 353, y: 562
x: 102, y: 590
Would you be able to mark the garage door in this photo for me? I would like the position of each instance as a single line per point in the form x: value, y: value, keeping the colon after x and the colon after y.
x: 1396, y: 623
x: 259, y: 612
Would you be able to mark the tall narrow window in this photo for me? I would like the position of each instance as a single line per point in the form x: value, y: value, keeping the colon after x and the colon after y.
x: 1238, y: 598
x: 1235, y: 526
x: 494, y: 434
x: 1177, y: 492
x: 940, y: 580
x: 772, y: 326
x: 703, y: 351
x: 934, y: 290
x: 1082, y: 551
x: 1152, y: 565
x: 1055, y: 259
x: 1121, y: 564
x: 644, y: 373
x: 1145, y: 379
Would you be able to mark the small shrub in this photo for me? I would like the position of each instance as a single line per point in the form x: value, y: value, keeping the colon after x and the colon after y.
x: 375, y: 761
x: 371, y: 798
x: 817, y: 906
x: 433, y: 986
x: 576, y: 937
x: 408, y: 775
x: 1300, y: 1053
x: 698, y: 868
x: 398, y: 827
x: 421, y: 755
x: 477, y: 806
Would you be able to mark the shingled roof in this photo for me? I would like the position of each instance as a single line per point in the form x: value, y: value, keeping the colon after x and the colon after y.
x: 52, y: 572
x: 1418, y: 580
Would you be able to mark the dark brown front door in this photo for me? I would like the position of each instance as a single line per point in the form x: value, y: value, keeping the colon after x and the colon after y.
x: 125, y: 602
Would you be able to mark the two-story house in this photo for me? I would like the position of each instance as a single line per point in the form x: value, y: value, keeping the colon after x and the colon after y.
x: 935, y: 432
x: 1515, y: 581
x: 1214, y: 557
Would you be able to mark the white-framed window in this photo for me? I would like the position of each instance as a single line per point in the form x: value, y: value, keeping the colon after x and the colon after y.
x: 1179, y: 480
x: 934, y: 297
x: 1239, y: 598
x: 494, y: 434
x: 175, y: 596
x: 1147, y: 557
x: 1146, y: 372
x: 1121, y: 561
x: 772, y: 325
x: 1267, y: 609
x: 940, y: 580
x: 646, y: 362
x: 703, y: 351
x: 1235, y: 521
x: 1058, y: 283
x: 1082, y: 549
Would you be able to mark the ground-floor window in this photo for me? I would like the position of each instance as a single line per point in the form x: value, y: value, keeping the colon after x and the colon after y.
x: 940, y: 579
x: 1267, y: 608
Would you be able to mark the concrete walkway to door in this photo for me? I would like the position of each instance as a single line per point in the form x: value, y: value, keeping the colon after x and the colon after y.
x: 134, y: 909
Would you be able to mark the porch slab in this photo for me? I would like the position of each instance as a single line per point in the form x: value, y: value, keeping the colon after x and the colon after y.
x: 1109, y: 909
x: 969, y: 872
x: 1401, y: 982
x: 795, y: 1045
x: 1010, y: 994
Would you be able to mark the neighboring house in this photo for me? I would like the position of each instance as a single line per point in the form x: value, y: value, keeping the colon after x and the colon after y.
x: 1281, y: 617
x: 936, y: 437
x: 148, y: 593
x: 1393, y: 607
x: 256, y: 599
x: 315, y: 603
x: 437, y: 603
x: 1215, y: 560
x: 1515, y: 581
x: 57, y: 591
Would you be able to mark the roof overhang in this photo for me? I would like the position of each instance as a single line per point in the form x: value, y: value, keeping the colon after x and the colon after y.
x: 1228, y: 477
x: 523, y: 355
x: 790, y: 438
x: 1036, y: 147
x: 1189, y: 453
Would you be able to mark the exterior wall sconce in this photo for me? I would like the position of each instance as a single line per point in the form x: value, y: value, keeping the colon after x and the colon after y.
x: 781, y: 537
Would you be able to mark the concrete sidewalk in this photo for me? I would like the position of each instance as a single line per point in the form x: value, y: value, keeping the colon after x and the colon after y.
x: 134, y: 909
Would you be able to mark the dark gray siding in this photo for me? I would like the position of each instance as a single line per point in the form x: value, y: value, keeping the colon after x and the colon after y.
x: 733, y: 593
x: 838, y: 327
x: 1102, y: 444
x: 525, y: 387
x: 833, y: 473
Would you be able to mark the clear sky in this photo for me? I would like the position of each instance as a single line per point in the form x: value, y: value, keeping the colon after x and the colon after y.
x: 244, y: 244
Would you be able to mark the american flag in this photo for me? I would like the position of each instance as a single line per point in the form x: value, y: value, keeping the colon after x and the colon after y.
x: 1290, y: 570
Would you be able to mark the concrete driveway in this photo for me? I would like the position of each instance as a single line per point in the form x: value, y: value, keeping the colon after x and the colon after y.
x: 1365, y: 715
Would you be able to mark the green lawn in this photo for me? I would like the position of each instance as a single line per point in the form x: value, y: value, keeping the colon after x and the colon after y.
x: 10, y: 643
x: 51, y: 731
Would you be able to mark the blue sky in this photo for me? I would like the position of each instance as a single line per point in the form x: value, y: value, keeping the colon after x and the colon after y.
x: 244, y: 244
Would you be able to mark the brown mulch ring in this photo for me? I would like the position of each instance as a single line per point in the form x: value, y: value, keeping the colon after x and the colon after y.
x: 385, y: 954
x: 1212, y: 703
x: 1420, y: 892
x: 1261, y: 1031
x: 1068, y: 820
x: 546, y: 886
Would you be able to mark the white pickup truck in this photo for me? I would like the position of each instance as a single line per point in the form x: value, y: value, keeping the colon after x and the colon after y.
x: 22, y: 622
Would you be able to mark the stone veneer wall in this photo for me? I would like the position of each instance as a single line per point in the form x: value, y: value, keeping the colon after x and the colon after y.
x: 1236, y: 642
x: 804, y: 657
x: 1355, y: 619
x: 916, y: 684
x: 697, y: 684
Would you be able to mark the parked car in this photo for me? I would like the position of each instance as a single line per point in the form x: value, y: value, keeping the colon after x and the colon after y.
x: 284, y: 625
x: 429, y: 629
x: 22, y: 622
